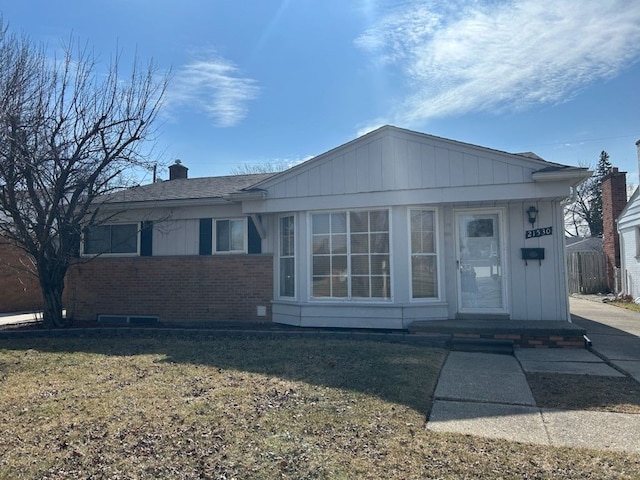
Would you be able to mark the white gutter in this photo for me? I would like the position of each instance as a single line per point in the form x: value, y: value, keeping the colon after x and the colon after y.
x: 577, y: 176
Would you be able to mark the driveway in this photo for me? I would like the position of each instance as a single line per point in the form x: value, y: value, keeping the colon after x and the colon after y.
x: 614, y: 332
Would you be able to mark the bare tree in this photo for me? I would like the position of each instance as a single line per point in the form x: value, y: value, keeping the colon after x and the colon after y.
x: 584, y: 214
x: 69, y: 134
x: 268, y: 167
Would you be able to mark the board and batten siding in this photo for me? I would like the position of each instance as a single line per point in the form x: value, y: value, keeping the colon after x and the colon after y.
x: 629, y: 230
x: 538, y: 289
x: 630, y: 261
x: 394, y: 163
x: 404, y: 169
x: 176, y: 237
x: 534, y: 291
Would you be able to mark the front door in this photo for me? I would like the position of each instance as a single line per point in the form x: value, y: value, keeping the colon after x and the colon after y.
x: 480, y: 262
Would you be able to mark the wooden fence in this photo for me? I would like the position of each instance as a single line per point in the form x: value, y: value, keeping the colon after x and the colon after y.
x: 587, y: 272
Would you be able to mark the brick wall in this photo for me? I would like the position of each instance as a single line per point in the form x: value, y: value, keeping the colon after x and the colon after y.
x: 614, y: 199
x: 19, y: 289
x: 177, y: 289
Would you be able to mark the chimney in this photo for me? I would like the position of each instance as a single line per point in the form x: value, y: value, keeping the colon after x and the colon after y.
x: 614, y: 199
x: 177, y: 170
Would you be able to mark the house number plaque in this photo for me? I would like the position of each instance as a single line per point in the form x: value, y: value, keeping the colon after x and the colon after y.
x: 539, y: 232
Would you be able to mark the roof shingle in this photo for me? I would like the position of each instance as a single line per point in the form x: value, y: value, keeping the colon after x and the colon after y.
x: 188, y: 188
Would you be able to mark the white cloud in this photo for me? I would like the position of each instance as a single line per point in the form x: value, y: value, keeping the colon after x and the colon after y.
x: 215, y: 86
x: 485, y: 55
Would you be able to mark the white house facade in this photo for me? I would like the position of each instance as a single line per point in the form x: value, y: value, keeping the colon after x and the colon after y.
x: 393, y: 227
x: 629, y: 232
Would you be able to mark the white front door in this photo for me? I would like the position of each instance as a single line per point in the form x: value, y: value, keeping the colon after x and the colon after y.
x: 480, y: 262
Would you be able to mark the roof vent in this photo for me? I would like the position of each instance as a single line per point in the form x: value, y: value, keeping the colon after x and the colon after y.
x: 177, y: 170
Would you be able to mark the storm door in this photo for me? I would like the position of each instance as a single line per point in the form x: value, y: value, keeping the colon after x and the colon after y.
x: 480, y: 262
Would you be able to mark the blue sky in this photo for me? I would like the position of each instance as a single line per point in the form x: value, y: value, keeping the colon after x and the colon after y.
x: 279, y: 81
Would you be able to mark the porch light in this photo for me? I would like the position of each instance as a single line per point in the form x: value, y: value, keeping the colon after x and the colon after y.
x: 532, y: 213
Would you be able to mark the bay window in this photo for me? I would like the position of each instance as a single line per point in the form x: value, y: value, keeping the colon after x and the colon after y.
x: 424, y: 272
x: 350, y: 255
x: 287, y: 257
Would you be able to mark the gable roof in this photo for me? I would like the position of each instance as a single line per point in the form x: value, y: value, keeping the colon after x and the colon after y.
x: 188, y: 189
x: 549, y: 171
x: 488, y: 166
x: 583, y: 244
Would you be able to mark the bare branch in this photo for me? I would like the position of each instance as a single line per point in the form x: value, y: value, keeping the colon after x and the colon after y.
x: 67, y: 132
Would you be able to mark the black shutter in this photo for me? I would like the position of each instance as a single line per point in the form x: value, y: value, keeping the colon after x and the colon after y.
x: 255, y: 242
x: 146, y: 239
x: 206, y: 236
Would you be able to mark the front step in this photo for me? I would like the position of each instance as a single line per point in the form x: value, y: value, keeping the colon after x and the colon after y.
x: 484, y: 345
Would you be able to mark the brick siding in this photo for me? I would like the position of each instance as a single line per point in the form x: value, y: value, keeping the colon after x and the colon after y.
x: 177, y: 289
x: 19, y: 289
x: 614, y: 199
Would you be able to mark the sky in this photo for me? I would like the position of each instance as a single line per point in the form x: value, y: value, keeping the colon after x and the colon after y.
x: 257, y: 82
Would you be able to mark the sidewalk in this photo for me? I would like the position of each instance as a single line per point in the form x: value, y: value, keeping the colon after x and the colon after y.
x: 488, y: 395
x: 19, y: 318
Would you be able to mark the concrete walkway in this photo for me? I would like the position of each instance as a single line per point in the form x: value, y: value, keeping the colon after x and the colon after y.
x: 488, y: 395
x: 19, y: 318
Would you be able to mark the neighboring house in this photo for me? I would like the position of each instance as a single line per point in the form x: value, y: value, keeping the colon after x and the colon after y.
x: 628, y: 227
x: 629, y: 231
x: 583, y: 244
x: 392, y: 227
x: 19, y: 287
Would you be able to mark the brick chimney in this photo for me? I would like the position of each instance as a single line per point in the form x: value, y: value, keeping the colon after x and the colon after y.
x: 614, y: 199
x: 177, y: 170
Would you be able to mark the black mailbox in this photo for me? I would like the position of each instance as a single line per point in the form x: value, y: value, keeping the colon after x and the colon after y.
x: 532, y: 254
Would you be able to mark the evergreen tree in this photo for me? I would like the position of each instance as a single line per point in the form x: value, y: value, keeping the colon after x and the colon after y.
x: 586, y: 210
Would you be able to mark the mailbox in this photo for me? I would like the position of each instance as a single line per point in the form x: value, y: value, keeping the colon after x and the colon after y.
x: 533, y: 254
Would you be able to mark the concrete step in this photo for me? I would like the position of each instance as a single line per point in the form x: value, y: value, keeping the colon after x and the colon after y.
x: 484, y: 345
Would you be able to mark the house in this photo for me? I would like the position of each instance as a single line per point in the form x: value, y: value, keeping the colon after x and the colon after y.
x: 19, y: 286
x: 628, y: 229
x: 583, y: 244
x: 390, y: 228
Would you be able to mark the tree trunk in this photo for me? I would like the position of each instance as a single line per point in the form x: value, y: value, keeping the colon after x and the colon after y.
x: 52, y: 286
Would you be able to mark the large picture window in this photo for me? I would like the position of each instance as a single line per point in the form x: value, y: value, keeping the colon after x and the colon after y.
x: 230, y: 235
x: 287, y: 257
x: 350, y: 255
x: 111, y: 239
x: 424, y: 272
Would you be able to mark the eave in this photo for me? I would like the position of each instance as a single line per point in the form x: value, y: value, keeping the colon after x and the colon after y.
x: 573, y: 175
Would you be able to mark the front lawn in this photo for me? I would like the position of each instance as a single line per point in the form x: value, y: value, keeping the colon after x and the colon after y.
x: 245, y: 407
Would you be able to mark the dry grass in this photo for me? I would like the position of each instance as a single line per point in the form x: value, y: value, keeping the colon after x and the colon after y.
x: 585, y: 392
x: 248, y: 408
x: 628, y: 305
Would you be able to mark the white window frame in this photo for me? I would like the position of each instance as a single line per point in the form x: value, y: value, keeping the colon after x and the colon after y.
x: 436, y: 254
x: 349, y: 298
x: 292, y: 256
x: 244, y: 236
x: 84, y: 253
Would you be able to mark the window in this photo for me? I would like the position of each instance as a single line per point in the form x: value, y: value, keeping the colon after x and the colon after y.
x: 287, y: 257
x: 350, y: 255
x: 230, y: 235
x: 424, y: 273
x: 111, y: 239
